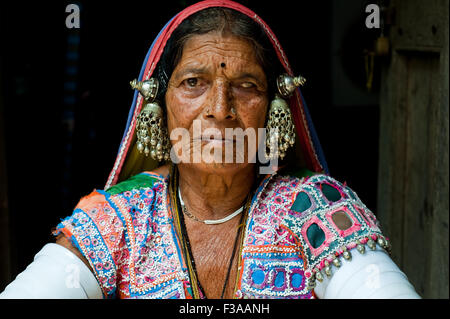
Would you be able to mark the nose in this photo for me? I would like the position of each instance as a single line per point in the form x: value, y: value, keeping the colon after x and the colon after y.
x: 220, y: 106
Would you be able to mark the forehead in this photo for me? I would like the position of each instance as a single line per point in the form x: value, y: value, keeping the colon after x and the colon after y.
x: 217, y: 48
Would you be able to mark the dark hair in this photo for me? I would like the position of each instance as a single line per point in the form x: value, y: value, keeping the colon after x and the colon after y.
x: 225, y: 21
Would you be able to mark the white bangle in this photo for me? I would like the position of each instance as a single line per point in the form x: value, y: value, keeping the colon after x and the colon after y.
x: 55, y: 273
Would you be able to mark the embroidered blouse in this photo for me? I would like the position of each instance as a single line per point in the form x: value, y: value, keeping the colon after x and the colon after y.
x: 291, y: 237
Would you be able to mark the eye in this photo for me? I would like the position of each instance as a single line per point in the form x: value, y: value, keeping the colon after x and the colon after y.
x: 192, y: 82
x: 247, y: 85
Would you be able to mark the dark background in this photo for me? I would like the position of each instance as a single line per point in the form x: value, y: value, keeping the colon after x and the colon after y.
x: 65, y: 96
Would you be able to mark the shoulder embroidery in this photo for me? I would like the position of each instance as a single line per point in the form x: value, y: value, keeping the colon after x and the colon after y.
x: 329, y: 220
x: 96, y: 230
x: 126, y: 234
x: 142, y: 180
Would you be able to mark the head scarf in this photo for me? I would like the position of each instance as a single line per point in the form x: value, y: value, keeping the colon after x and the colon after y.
x: 129, y: 162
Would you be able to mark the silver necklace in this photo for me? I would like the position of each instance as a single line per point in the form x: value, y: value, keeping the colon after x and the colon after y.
x: 208, y: 221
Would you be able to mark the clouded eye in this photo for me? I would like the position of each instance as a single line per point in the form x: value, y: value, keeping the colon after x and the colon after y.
x: 247, y: 85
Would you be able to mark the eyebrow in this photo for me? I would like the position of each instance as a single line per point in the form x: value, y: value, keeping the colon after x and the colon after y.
x: 183, y: 72
x: 205, y: 70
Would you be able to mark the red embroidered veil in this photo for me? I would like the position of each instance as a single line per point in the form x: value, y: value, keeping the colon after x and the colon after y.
x: 129, y: 162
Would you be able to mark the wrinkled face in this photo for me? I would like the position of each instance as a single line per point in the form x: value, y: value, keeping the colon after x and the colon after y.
x: 217, y: 84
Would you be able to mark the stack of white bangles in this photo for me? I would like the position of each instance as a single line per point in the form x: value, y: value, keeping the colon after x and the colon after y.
x: 56, y: 273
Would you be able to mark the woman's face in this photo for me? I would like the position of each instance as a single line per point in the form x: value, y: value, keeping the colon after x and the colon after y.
x: 217, y: 84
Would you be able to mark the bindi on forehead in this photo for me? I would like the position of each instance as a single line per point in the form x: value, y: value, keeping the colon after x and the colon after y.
x: 209, y: 53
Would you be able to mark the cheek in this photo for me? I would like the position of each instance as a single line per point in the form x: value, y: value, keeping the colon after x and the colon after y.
x: 253, y: 112
x: 180, y: 111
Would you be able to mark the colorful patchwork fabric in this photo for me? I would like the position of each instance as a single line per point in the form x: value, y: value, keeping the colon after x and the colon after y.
x: 297, y: 229
x: 129, y: 240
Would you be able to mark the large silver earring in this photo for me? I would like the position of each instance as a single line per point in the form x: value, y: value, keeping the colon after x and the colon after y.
x: 151, y: 132
x: 280, y: 129
x: 280, y: 133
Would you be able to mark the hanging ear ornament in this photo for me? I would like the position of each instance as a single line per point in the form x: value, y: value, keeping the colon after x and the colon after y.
x: 151, y: 132
x: 280, y: 127
x: 287, y: 84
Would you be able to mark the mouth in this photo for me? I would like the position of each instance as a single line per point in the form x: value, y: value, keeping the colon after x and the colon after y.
x: 214, y: 140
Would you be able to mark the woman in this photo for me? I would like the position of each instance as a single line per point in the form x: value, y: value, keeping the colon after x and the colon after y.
x: 176, y: 221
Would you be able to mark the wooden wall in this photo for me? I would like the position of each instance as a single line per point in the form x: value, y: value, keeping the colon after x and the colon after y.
x: 414, y: 143
x: 5, y: 260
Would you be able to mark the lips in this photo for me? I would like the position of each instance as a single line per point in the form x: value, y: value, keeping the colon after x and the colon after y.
x: 212, y: 140
x: 215, y: 139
